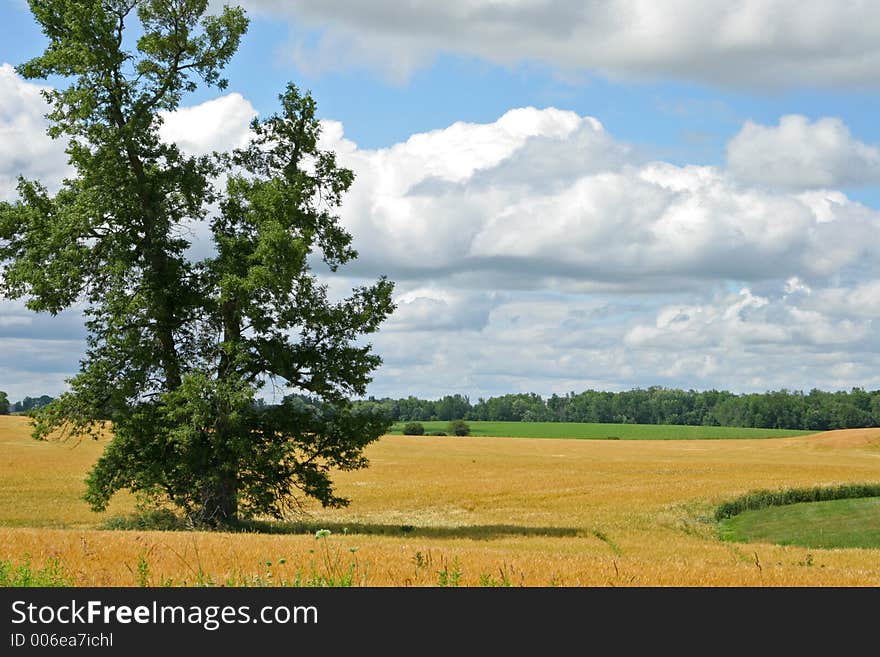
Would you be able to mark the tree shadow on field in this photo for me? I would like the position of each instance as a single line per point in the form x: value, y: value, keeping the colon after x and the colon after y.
x: 478, y: 532
x: 165, y: 520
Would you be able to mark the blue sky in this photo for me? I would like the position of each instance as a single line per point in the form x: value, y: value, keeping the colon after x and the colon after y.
x: 685, y: 197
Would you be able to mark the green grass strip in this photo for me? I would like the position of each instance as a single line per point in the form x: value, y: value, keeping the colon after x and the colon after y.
x: 848, y: 523
x: 605, y: 431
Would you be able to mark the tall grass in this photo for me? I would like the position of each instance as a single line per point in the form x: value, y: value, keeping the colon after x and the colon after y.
x: 549, y: 512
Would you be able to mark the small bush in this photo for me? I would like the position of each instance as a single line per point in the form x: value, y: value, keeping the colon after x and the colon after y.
x: 459, y: 428
x: 437, y: 433
x: 151, y: 519
x: 413, y: 429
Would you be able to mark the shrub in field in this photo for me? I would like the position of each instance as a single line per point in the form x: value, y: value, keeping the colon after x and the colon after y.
x: 413, y: 429
x: 437, y: 433
x: 459, y: 428
x: 148, y: 519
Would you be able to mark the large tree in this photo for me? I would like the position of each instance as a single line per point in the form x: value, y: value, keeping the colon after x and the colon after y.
x: 179, y: 349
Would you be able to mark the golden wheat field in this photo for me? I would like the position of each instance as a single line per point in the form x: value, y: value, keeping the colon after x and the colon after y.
x: 466, y: 511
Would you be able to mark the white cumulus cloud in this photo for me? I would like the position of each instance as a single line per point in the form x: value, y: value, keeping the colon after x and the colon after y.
x: 27, y: 150
x: 748, y: 43
x: 801, y: 154
x: 474, y: 200
x: 215, y: 125
x: 539, y: 253
x: 218, y: 124
x: 743, y: 322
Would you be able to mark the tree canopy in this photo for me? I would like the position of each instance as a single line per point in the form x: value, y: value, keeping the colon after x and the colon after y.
x: 180, y: 348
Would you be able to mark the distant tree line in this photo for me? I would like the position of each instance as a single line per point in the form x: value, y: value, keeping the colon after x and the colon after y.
x: 783, y: 409
x: 23, y: 406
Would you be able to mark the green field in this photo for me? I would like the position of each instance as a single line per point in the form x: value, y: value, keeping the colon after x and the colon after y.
x: 849, y: 523
x: 593, y: 431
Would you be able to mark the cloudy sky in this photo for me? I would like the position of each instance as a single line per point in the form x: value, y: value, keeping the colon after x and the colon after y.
x: 568, y: 195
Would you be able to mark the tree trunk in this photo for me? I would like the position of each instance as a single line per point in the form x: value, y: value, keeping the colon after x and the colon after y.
x: 220, y: 507
x: 221, y: 501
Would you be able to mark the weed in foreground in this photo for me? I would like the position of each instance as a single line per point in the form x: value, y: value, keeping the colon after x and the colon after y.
x: 51, y: 574
x: 450, y: 574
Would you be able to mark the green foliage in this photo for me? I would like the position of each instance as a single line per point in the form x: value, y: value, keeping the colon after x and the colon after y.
x: 783, y: 409
x: 450, y: 574
x: 4, y: 403
x: 413, y: 429
x: 178, y: 349
x: 459, y: 428
x: 268, y: 455
x: 143, y: 571
x: 763, y: 498
x: 437, y: 433
x: 147, y: 520
x: 31, y: 403
x: 23, y: 574
x: 452, y: 407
